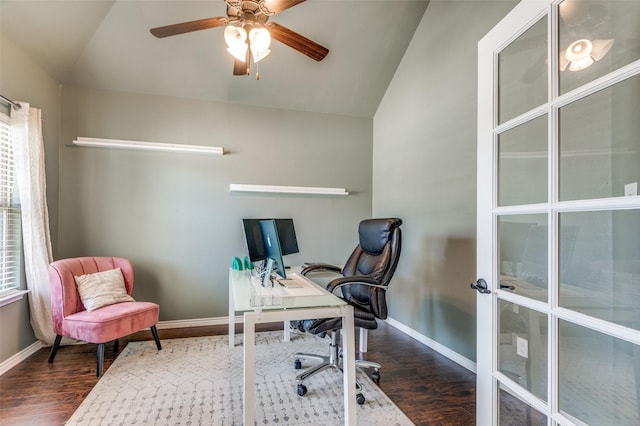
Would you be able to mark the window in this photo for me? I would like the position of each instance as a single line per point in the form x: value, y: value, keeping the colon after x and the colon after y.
x: 10, y: 226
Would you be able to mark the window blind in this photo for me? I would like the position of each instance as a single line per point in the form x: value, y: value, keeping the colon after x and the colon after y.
x: 10, y: 226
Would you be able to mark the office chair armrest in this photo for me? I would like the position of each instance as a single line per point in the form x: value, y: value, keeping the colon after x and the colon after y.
x: 318, y: 267
x: 345, y: 281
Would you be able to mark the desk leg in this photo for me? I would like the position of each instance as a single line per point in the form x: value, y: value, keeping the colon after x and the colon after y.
x: 249, y: 368
x: 232, y: 316
x: 349, y: 365
x: 287, y: 331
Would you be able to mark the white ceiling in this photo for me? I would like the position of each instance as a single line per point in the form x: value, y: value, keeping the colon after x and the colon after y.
x: 107, y: 45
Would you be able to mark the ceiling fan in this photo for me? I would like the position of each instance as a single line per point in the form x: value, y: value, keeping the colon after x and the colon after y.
x: 588, y: 34
x: 248, y: 32
x: 585, y: 37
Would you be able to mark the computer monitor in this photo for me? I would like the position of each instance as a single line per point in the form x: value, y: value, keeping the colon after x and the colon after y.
x: 256, y: 244
x: 254, y: 240
x: 287, y: 236
x: 272, y: 245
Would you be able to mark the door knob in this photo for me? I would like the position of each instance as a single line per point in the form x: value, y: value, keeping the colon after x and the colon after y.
x: 481, y: 286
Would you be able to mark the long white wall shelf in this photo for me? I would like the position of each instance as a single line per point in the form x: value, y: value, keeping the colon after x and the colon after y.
x: 235, y: 187
x: 151, y: 146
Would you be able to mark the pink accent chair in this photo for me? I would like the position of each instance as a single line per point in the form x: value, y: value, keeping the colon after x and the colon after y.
x: 71, y: 319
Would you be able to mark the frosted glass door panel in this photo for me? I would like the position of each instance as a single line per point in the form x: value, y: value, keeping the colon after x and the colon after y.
x: 522, y: 352
x: 523, y: 251
x: 523, y: 164
x: 600, y: 265
x: 597, y: 377
x: 595, y: 38
x: 600, y: 152
x: 514, y: 412
x: 523, y: 73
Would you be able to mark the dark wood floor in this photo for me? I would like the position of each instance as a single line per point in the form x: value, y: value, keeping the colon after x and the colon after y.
x: 429, y: 388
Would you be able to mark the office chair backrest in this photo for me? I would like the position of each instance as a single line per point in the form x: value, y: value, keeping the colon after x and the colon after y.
x: 376, y: 257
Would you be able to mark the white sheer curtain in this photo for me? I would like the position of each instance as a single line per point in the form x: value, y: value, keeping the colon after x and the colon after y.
x: 29, y: 153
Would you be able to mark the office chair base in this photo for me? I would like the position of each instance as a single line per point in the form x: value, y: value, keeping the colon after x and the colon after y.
x: 302, y: 389
x: 375, y: 375
x: 333, y: 361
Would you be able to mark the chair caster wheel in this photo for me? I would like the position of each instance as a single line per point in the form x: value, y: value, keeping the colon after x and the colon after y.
x: 297, y: 365
x: 375, y: 376
x: 302, y: 390
x: 360, y: 399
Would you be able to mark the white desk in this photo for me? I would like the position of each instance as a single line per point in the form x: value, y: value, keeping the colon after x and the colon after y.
x: 292, y: 308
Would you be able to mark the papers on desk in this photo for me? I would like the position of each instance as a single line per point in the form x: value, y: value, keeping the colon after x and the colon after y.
x: 293, y: 286
x: 296, y: 286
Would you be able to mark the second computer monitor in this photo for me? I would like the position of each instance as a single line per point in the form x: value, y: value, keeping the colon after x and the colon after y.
x: 287, y: 236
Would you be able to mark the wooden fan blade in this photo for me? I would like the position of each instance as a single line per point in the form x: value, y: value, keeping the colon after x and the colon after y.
x: 241, y: 68
x: 297, y: 41
x: 277, y: 6
x: 187, y: 27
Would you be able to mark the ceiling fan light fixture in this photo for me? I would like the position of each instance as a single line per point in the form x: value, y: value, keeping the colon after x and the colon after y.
x: 578, y: 55
x: 260, y: 39
x: 236, y: 39
x: 583, y: 53
x: 581, y: 64
x: 579, y: 50
x: 234, y: 36
x: 259, y: 42
x: 258, y: 56
x: 239, y: 51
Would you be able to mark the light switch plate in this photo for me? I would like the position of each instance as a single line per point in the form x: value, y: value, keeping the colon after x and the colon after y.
x: 522, y: 347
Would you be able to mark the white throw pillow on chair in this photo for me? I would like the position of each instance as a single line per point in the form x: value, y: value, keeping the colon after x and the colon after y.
x: 102, y: 289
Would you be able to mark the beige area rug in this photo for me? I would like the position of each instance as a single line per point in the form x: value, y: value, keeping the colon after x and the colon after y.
x: 198, y: 381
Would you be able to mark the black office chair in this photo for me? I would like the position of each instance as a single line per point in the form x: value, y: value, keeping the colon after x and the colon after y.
x: 363, y: 284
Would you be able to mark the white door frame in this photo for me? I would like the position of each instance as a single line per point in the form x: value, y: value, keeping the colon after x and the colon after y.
x: 523, y: 16
x: 520, y: 18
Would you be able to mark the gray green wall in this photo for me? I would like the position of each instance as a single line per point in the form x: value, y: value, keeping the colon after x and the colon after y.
x: 424, y: 170
x: 172, y: 213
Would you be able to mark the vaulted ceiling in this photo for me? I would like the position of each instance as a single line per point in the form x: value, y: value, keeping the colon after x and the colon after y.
x: 107, y: 45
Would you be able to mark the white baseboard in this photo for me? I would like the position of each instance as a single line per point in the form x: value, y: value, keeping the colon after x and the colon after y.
x: 440, y: 348
x: 20, y: 356
x: 197, y: 322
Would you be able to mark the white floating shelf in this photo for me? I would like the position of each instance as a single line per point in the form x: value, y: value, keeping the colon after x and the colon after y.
x: 234, y: 187
x: 150, y: 146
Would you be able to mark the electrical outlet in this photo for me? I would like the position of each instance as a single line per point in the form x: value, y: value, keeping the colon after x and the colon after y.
x: 631, y: 189
x: 522, y: 347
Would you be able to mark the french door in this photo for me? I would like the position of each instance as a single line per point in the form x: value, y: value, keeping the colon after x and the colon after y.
x: 558, y: 253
